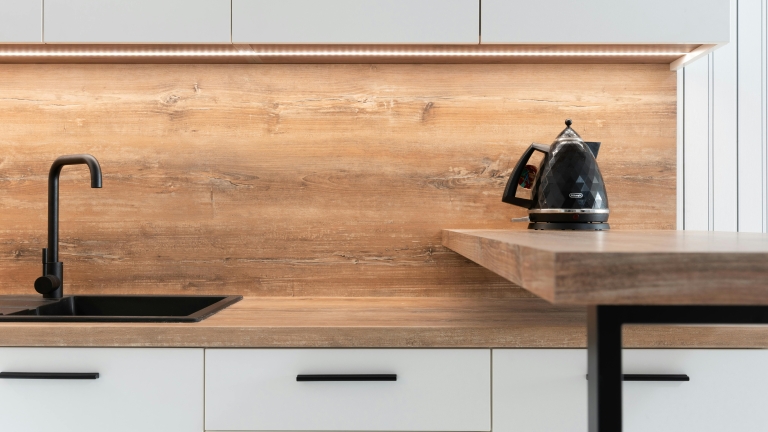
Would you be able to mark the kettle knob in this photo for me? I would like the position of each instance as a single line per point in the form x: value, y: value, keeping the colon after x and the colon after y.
x: 568, y: 122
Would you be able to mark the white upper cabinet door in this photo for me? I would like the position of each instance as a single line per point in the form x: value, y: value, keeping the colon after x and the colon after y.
x: 21, y: 21
x: 356, y: 21
x: 137, y: 21
x: 605, y: 21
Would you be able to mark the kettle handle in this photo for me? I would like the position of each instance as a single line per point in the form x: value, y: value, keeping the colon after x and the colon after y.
x: 509, y: 193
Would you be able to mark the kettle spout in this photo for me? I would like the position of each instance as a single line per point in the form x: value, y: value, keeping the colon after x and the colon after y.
x: 594, y: 147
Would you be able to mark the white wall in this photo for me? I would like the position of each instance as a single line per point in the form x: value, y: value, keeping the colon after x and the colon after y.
x: 722, y: 130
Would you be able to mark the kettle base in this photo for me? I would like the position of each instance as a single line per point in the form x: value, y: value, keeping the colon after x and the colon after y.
x: 573, y: 226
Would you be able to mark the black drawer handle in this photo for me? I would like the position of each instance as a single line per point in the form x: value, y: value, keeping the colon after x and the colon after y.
x: 50, y: 375
x: 348, y: 377
x: 654, y: 377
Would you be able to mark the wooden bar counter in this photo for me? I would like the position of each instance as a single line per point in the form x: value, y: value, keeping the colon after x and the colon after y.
x: 629, y: 278
x: 624, y: 267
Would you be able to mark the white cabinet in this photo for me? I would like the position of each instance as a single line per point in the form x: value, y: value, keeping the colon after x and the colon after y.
x: 546, y: 390
x: 366, y: 21
x: 138, y: 389
x: 435, y: 390
x: 21, y: 21
x: 137, y: 21
x: 605, y: 21
x: 356, y: 21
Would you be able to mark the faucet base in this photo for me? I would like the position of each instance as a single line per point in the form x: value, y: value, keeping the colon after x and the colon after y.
x: 54, y: 269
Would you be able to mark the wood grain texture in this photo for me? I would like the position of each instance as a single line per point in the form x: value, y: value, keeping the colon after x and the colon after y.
x: 306, y: 180
x: 378, y: 322
x: 615, y: 267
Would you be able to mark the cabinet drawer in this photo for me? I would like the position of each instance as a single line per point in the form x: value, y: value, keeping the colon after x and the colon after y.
x: 355, y: 21
x: 546, y: 390
x: 138, y: 389
x: 436, y: 390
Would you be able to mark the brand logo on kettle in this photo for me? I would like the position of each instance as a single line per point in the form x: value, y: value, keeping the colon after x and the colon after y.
x: 576, y: 195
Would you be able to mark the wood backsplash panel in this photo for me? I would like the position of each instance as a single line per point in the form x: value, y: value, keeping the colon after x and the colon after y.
x: 323, y: 180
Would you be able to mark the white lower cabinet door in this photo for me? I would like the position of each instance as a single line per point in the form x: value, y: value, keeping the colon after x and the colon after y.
x: 541, y: 390
x: 432, y: 390
x: 137, y: 389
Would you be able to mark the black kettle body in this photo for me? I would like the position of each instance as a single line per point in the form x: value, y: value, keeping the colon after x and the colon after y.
x: 567, y: 189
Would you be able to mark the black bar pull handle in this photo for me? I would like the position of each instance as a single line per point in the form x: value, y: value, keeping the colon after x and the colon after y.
x: 654, y: 377
x: 50, y: 375
x: 348, y: 377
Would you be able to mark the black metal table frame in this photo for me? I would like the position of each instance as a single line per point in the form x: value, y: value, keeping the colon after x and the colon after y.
x: 604, y: 347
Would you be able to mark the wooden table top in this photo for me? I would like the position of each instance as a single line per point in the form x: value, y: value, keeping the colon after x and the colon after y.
x: 387, y: 322
x: 624, y: 267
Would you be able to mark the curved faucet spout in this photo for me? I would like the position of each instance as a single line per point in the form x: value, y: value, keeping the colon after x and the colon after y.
x: 53, y: 195
x: 78, y: 159
x: 51, y: 264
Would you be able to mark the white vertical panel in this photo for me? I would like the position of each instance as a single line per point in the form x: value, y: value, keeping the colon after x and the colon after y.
x: 764, y: 100
x: 680, y: 149
x: 750, y: 116
x: 696, y: 145
x: 724, y: 134
x: 710, y: 143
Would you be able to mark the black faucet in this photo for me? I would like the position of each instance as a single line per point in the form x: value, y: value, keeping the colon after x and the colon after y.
x: 51, y: 283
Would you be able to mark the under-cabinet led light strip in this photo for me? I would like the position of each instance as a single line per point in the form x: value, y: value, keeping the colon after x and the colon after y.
x: 331, y: 53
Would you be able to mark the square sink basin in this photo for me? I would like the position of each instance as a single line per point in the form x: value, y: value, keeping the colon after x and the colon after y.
x: 119, y: 308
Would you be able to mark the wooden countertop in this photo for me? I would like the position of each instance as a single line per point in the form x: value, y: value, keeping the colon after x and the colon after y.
x: 624, y: 267
x: 377, y: 322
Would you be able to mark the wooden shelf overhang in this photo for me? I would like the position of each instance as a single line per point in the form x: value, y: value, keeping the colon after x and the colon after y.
x: 677, y: 55
x: 624, y: 267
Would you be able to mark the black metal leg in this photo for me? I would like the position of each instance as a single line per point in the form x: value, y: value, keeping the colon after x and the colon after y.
x: 604, y: 366
x: 604, y: 347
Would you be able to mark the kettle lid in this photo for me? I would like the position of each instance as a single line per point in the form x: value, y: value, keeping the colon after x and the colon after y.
x: 568, y: 133
x: 569, y: 136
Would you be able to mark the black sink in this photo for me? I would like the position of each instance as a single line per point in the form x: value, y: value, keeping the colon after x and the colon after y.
x: 118, y: 308
x: 55, y: 307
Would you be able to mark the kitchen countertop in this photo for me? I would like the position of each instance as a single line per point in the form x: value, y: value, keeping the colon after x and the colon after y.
x: 624, y: 267
x: 378, y: 322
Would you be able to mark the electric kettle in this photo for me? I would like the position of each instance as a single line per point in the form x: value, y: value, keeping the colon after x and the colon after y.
x: 566, y: 189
